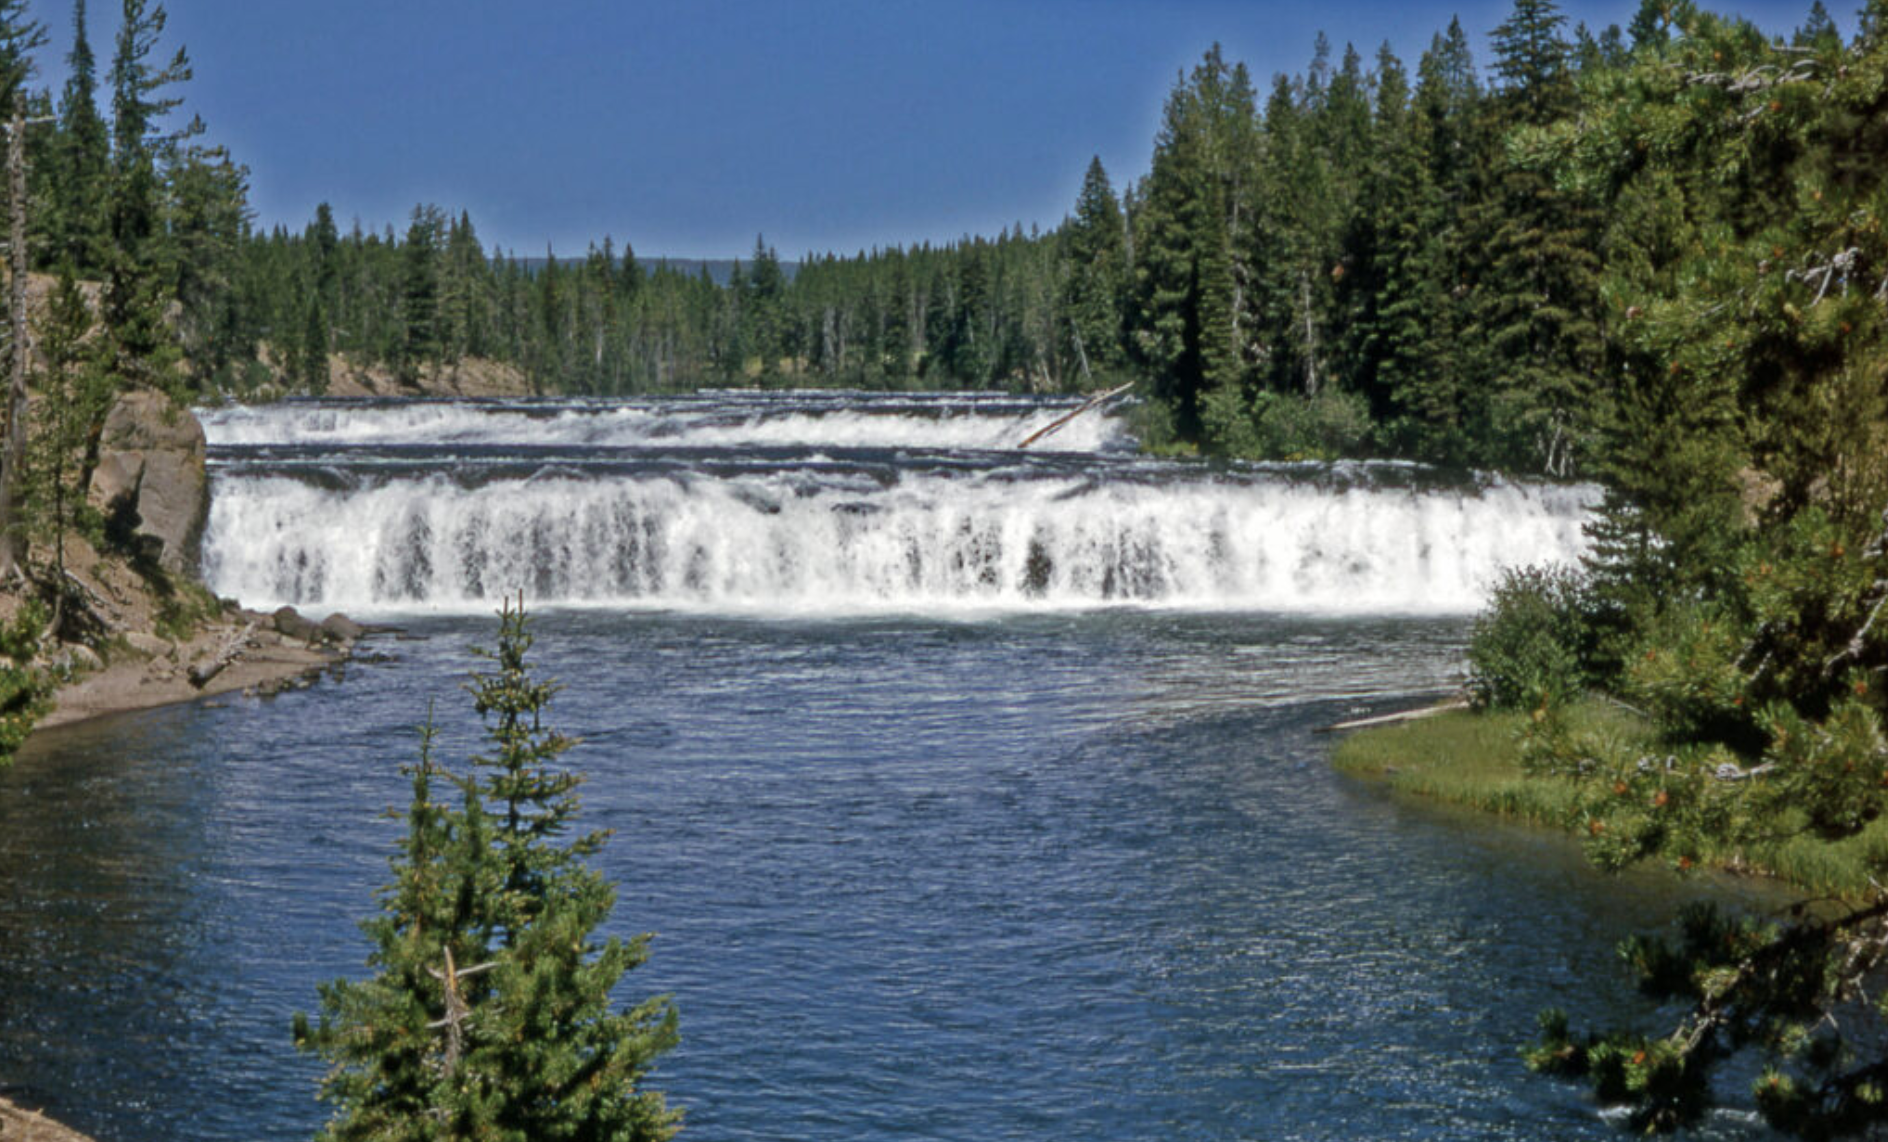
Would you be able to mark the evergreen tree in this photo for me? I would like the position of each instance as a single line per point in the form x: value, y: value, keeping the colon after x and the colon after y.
x: 1191, y: 273
x: 490, y: 1014
x: 419, y: 295
x: 1537, y: 299
x: 73, y: 392
x: 762, y: 306
x: 206, y: 221
x: 76, y: 226
x: 139, y: 274
x: 1742, y: 552
x: 312, y: 357
x: 1094, y: 247
x: 20, y: 37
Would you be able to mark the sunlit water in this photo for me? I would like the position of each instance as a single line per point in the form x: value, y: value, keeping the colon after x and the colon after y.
x: 1051, y: 874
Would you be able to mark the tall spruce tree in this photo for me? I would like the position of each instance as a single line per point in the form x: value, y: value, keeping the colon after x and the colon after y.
x: 77, y: 224
x: 20, y: 37
x: 1537, y: 299
x: 1095, y: 249
x: 490, y: 1013
x: 138, y: 270
x: 419, y: 295
x: 1191, y: 267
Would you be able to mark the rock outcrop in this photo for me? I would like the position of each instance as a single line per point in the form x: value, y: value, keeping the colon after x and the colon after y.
x: 150, y: 481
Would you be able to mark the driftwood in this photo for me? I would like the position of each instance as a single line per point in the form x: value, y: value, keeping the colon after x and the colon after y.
x: 1399, y: 716
x: 230, y: 651
x: 1056, y: 424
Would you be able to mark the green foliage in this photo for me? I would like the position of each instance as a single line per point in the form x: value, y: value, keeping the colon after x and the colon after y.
x: 1528, y: 649
x: 25, y: 689
x: 490, y: 1015
x: 19, y: 637
x: 183, y: 609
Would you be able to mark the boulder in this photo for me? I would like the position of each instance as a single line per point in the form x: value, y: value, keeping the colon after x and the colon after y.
x: 150, y: 482
x: 76, y: 657
x: 338, y: 627
x: 292, y: 624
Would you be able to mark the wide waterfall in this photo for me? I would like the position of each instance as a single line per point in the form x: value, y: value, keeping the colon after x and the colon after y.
x: 823, y: 504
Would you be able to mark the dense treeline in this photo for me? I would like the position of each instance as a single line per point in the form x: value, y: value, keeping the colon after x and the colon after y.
x: 1358, y: 260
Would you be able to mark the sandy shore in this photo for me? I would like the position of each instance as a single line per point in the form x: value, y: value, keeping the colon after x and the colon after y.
x: 17, y: 1124
x: 159, y: 674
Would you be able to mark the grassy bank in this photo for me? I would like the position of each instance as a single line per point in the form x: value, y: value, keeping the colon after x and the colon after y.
x: 1473, y: 760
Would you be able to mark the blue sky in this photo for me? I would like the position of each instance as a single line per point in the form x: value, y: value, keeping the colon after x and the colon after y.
x: 690, y: 126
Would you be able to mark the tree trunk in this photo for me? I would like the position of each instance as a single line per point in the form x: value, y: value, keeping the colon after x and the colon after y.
x: 14, y: 455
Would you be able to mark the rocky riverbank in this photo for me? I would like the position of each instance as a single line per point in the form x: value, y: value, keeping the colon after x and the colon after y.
x: 239, y: 650
x: 127, y: 626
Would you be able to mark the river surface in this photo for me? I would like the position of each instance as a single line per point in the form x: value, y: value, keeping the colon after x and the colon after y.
x: 969, y: 792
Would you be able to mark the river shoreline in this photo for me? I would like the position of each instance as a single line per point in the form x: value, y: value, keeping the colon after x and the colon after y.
x: 17, y: 1124
x: 260, y: 660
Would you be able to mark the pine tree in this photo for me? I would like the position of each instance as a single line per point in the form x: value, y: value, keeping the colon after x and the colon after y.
x: 490, y: 1016
x: 138, y: 271
x: 762, y: 305
x: 73, y: 391
x: 419, y: 295
x: 206, y: 219
x: 311, y: 368
x: 1095, y: 250
x: 1537, y: 301
x: 1191, y: 271
x: 1747, y: 455
x: 82, y: 170
x: 20, y: 37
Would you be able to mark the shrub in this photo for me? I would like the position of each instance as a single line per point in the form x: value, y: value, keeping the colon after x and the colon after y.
x: 1285, y: 426
x: 1531, y: 645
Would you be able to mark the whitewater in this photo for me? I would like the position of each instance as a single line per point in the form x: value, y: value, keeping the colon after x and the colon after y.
x: 811, y: 504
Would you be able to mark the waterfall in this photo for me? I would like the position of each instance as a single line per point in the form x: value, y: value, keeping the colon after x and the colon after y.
x: 710, y: 421
x: 826, y: 504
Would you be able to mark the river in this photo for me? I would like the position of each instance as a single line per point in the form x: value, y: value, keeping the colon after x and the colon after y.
x: 969, y: 791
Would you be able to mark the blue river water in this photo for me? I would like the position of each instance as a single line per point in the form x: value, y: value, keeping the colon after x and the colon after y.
x: 1044, y: 877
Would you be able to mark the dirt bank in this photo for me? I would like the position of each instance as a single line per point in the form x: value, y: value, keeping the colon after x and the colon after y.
x: 245, y: 651
x: 17, y: 1124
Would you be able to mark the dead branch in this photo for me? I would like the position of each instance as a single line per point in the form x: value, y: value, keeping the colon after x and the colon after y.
x: 457, y: 1009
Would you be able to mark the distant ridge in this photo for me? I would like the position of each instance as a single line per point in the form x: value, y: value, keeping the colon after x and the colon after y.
x: 720, y: 270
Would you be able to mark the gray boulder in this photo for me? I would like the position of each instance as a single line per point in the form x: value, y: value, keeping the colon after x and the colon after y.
x: 290, y: 623
x: 150, y: 480
x: 338, y: 627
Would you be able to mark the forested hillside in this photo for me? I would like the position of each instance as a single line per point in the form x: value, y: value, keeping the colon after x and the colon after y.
x: 1365, y: 258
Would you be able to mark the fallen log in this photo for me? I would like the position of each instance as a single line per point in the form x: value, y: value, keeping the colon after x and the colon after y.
x: 1056, y: 424
x: 228, y: 652
x: 1400, y: 716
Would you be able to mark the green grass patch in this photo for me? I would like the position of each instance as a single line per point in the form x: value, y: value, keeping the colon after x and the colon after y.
x: 1460, y: 758
x: 1473, y: 760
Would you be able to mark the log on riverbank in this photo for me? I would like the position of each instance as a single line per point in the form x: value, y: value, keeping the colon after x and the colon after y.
x: 1399, y: 716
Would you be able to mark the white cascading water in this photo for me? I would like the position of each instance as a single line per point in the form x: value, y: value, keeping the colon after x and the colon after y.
x: 815, y: 535
x: 810, y: 420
